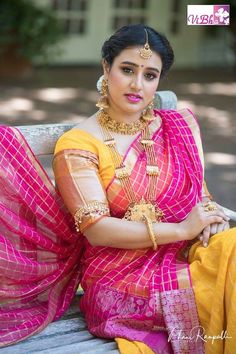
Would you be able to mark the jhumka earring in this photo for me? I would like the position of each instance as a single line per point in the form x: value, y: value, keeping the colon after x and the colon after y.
x: 146, y: 52
x: 148, y: 112
x: 103, y: 100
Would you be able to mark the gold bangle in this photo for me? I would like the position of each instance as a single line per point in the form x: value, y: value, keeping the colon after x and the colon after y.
x: 151, y: 233
x: 92, y: 209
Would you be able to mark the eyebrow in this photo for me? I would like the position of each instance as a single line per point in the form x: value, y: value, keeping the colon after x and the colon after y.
x: 136, y: 65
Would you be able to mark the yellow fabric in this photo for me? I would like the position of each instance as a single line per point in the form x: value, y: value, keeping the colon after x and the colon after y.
x: 132, y: 347
x: 213, y: 273
x: 81, y: 140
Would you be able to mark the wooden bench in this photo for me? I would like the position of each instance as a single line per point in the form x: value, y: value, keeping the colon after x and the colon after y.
x: 69, y: 335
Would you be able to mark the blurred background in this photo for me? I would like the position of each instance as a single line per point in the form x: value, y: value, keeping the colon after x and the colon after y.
x: 50, y: 63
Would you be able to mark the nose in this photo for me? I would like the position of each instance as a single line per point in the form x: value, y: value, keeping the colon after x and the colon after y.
x: 136, y: 83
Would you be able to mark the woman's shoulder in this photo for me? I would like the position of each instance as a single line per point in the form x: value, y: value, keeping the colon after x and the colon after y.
x: 90, y: 126
x: 83, y: 136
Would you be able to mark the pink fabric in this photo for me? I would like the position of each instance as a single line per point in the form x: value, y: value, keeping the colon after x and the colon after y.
x: 39, y: 250
x: 135, y: 294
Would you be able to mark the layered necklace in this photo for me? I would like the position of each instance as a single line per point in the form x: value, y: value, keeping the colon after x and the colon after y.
x: 146, y: 207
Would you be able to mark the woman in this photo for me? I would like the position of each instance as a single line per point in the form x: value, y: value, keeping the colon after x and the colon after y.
x: 132, y: 178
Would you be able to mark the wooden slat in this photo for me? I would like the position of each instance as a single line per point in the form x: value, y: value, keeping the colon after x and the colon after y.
x: 48, y: 342
x: 94, y: 346
x: 67, y: 335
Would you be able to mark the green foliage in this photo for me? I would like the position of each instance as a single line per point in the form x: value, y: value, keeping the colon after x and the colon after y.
x: 32, y: 30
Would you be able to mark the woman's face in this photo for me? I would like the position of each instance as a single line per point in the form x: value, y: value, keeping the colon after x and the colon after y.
x: 132, y: 81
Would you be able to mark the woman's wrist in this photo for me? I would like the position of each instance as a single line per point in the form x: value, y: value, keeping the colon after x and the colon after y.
x: 180, y: 232
x: 168, y: 232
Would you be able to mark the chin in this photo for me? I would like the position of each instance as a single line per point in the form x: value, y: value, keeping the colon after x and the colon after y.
x: 133, y: 107
x: 133, y: 111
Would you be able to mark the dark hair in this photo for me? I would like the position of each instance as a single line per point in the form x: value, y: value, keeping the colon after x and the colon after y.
x: 134, y: 35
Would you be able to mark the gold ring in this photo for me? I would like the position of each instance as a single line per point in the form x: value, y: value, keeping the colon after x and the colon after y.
x: 209, y: 206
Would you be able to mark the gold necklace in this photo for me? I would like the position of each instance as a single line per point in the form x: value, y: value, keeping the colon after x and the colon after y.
x: 138, y: 210
x: 121, y: 127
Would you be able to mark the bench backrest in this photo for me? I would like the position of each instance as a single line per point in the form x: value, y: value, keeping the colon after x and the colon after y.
x: 42, y: 138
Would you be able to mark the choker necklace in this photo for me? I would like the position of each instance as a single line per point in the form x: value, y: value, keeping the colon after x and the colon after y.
x: 146, y: 207
x: 121, y: 127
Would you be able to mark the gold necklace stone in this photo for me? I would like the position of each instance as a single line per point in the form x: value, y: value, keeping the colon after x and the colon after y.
x: 137, y: 210
x: 120, y: 127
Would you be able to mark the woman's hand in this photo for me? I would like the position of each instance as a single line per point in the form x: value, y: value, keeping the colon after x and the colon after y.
x: 213, y: 229
x: 200, y: 220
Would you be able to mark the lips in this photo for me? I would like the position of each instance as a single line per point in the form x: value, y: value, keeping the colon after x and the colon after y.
x: 133, y: 97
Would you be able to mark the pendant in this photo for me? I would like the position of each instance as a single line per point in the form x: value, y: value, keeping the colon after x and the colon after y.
x: 136, y: 212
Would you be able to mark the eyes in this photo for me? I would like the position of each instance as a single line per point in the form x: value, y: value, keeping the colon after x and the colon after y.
x: 149, y: 76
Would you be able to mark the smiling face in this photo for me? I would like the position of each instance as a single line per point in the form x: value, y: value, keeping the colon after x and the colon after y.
x: 132, y: 83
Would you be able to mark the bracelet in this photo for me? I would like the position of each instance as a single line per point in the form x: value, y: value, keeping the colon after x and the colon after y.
x: 151, y: 233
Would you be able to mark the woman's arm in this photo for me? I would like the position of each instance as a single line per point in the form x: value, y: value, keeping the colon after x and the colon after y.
x: 120, y: 233
x: 78, y: 179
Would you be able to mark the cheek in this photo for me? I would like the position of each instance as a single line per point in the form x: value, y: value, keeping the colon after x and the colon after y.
x: 151, y: 88
x: 116, y: 84
x: 115, y: 81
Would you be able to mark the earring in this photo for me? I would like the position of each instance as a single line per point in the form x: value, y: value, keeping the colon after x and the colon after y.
x: 148, y: 112
x: 103, y: 89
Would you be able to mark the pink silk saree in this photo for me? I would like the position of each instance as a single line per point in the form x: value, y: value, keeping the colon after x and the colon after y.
x: 146, y: 295
x: 135, y: 294
x: 39, y: 249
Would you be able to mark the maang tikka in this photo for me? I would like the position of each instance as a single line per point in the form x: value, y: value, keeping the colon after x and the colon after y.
x: 103, y: 100
x: 146, y: 52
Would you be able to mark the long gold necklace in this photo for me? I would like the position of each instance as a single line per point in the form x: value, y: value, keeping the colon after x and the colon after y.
x: 137, y: 210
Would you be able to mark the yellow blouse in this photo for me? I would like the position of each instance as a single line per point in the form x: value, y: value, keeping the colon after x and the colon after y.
x: 80, y: 140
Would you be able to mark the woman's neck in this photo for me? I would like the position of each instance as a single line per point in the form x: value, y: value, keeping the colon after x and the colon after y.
x: 122, y: 116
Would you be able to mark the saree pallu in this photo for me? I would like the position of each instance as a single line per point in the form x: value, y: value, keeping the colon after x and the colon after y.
x: 39, y: 249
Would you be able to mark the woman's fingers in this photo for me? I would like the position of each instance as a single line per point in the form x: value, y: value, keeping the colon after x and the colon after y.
x: 213, y: 220
x: 226, y: 226
x: 200, y: 218
x: 215, y: 216
x: 215, y: 228
x: 219, y: 227
x: 215, y: 209
x: 211, y: 230
x: 206, y: 235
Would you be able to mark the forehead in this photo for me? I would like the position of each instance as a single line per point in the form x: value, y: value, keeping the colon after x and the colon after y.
x: 132, y: 55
